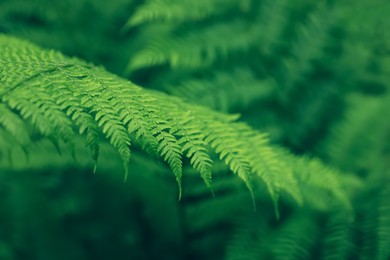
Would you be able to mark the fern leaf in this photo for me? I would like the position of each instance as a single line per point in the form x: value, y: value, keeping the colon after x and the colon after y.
x: 193, y: 144
x: 58, y: 95
x: 277, y: 175
x: 314, y: 31
x: 254, y: 238
x: 223, y: 90
x: 337, y: 242
x: 383, y: 229
x: 191, y: 50
x: 170, y: 151
x: 176, y: 10
x: 289, y: 242
x: 315, y: 178
x: 226, y: 142
x: 61, y: 96
x: 349, y: 147
x: 14, y: 125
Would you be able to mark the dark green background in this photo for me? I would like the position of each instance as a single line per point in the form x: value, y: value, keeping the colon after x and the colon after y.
x: 315, y: 75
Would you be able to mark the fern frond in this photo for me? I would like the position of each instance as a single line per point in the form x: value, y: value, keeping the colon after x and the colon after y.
x: 311, y: 39
x: 374, y: 221
x: 196, y: 48
x: 374, y: 218
x: 322, y: 187
x: 383, y: 229
x: 349, y: 146
x: 253, y: 26
x: 171, y: 152
x: 58, y: 96
x: 84, y: 121
x: 338, y: 240
x: 228, y: 147
x: 289, y: 242
x: 295, y: 238
x: 223, y: 90
x: 276, y: 174
x: 14, y: 125
x: 7, y: 144
x: 194, y: 145
x: 245, y: 242
x: 176, y: 10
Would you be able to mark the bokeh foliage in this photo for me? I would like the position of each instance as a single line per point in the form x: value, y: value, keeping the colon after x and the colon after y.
x: 315, y: 75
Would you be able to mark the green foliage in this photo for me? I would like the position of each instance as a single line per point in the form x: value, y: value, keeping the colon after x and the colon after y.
x: 309, y: 80
x: 58, y: 97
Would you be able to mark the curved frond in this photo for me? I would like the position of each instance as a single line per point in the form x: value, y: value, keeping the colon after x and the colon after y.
x: 60, y: 96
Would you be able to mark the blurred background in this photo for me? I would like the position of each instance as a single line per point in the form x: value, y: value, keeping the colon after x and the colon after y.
x: 315, y: 75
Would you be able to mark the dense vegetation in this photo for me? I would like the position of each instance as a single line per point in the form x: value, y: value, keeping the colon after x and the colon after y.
x: 269, y: 121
